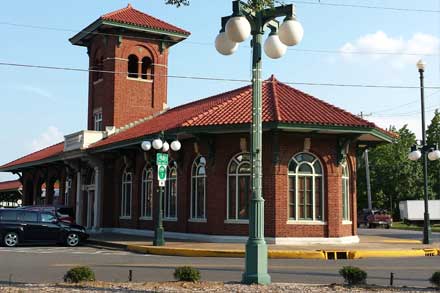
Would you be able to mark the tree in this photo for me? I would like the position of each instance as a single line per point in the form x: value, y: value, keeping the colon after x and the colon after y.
x: 393, y: 177
x: 433, y: 138
x: 254, y: 4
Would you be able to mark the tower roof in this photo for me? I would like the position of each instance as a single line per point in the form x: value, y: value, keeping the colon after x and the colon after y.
x: 129, y: 18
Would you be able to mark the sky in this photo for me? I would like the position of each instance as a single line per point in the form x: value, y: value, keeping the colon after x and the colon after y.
x: 38, y: 107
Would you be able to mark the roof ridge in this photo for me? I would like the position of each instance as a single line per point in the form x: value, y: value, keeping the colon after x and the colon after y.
x: 118, y: 11
x: 219, y: 106
x: 273, y: 82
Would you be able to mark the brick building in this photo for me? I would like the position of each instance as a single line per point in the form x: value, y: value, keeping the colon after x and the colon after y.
x: 309, y: 155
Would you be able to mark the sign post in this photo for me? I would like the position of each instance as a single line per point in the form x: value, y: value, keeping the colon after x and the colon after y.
x: 162, y: 163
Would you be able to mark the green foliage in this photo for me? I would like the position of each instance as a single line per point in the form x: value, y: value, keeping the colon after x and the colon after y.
x: 79, y: 274
x: 433, y: 138
x: 186, y: 273
x: 353, y: 275
x: 435, y: 279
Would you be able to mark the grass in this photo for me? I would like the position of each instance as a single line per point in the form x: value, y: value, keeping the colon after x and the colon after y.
x: 403, y: 226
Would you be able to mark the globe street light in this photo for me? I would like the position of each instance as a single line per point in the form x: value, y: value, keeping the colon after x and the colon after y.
x: 236, y: 28
x: 426, y: 152
x: 160, y: 146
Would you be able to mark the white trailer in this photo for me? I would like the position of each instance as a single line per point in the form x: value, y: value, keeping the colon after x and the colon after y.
x: 412, y: 211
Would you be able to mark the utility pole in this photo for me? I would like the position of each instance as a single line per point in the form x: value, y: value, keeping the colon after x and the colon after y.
x: 367, y: 170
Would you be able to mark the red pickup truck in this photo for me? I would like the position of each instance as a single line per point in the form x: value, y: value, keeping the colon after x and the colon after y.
x: 374, y: 218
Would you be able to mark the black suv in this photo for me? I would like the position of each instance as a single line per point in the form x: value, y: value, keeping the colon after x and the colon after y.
x: 21, y: 226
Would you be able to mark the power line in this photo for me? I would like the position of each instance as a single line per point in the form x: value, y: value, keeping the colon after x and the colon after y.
x: 397, y: 9
x: 312, y: 51
x: 403, y: 105
x: 215, y: 78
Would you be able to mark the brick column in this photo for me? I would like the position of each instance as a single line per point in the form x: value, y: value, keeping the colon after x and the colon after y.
x: 334, y: 203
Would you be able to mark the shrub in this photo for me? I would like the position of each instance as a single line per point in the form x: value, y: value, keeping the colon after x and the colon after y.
x: 189, y: 274
x: 353, y: 275
x: 79, y: 274
x: 435, y: 279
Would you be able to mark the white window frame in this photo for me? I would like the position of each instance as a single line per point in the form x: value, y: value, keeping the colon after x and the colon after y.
x: 97, y: 120
x: 345, y: 193
x: 127, y: 185
x: 147, y: 187
x: 236, y: 159
x: 169, y: 196
x: 314, y: 175
x: 197, y: 164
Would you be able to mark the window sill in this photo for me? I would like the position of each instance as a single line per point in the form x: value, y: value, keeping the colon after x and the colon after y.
x: 98, y: 81
x: 302, y: 222
x: 197, y: 220
x: 145, y: 218
x: 140, y: 79
x: 125, y: 218
x: 347, y: 222
x: 236, y: 221
x: 170, y: 219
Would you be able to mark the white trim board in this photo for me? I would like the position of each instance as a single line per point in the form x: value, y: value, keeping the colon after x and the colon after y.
x: 237, y: 239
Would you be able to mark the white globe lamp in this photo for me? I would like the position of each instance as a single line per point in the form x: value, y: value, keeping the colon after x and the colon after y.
x: 291, y: 32
x: 238, y: 29
x: 224, y: 45
x: 273, y: 47
x: 434, y: 155
x: 165, y: 147
x: 414, y: 155
x: 146, y: 146
x: 175, y: 145
x: 421, y: 65
x: 157, y: 144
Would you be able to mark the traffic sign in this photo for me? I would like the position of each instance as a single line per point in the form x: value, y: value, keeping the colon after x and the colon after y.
x: 162, y: 159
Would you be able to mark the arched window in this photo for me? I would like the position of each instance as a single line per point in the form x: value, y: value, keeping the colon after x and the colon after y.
x: 345, y: 192
x: 147, y: 193
x: 306, y: 188
x: 198, y: 189
x: 127, y: 182
x: 239, y: 187
x: 133, y: 64
x: 170, y: 200
x: 147, y: 68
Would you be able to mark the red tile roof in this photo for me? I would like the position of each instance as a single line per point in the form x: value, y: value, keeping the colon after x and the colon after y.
x: 281, y: 103
x: 129, y: 15
x: 43, y: 154
x: 10, y: 185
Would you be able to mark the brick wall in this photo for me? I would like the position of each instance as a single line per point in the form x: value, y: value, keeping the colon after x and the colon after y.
x: 218, y: 150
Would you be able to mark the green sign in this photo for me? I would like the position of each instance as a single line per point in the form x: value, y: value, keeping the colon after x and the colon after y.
x: 162, y: 159
x: 162, y: 172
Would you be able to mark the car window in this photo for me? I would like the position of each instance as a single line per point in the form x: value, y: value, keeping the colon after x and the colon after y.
x: 9, y: 215
x: 29, y: 217
x: 47, y: 218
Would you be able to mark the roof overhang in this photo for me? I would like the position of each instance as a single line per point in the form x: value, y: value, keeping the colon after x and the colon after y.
x: 366, y: 135
x: 82, y: 38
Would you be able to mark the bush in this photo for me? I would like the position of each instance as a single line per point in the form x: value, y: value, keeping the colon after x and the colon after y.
x: 189, y: 274
x: 79, y: 274
x: 353, y: 275
x: 435, y: 279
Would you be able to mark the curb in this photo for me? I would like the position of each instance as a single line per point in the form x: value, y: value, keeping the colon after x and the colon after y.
x: 273, y: 254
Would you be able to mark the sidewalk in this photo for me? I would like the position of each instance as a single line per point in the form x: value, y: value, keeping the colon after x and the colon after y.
x: 369, y: 246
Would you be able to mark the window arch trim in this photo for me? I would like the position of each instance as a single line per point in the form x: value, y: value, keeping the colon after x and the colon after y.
x: 309, y: 178
x: 126, y: 194
x: 197, y: 165
x: 237, y: 161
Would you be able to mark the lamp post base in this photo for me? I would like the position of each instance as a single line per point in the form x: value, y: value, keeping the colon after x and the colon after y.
x: 256, y: 263
x: 427, y: 233
x: 159, y: 240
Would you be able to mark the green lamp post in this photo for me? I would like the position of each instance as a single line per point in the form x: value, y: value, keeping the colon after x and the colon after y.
x: 236, y: 28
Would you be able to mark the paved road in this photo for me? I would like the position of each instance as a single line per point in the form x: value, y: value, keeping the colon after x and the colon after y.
x: 401, y: 234
x: 48, y: 264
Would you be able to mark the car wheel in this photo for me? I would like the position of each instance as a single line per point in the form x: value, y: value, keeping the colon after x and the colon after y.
x: 72, y: 239
x: 10, y: 239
